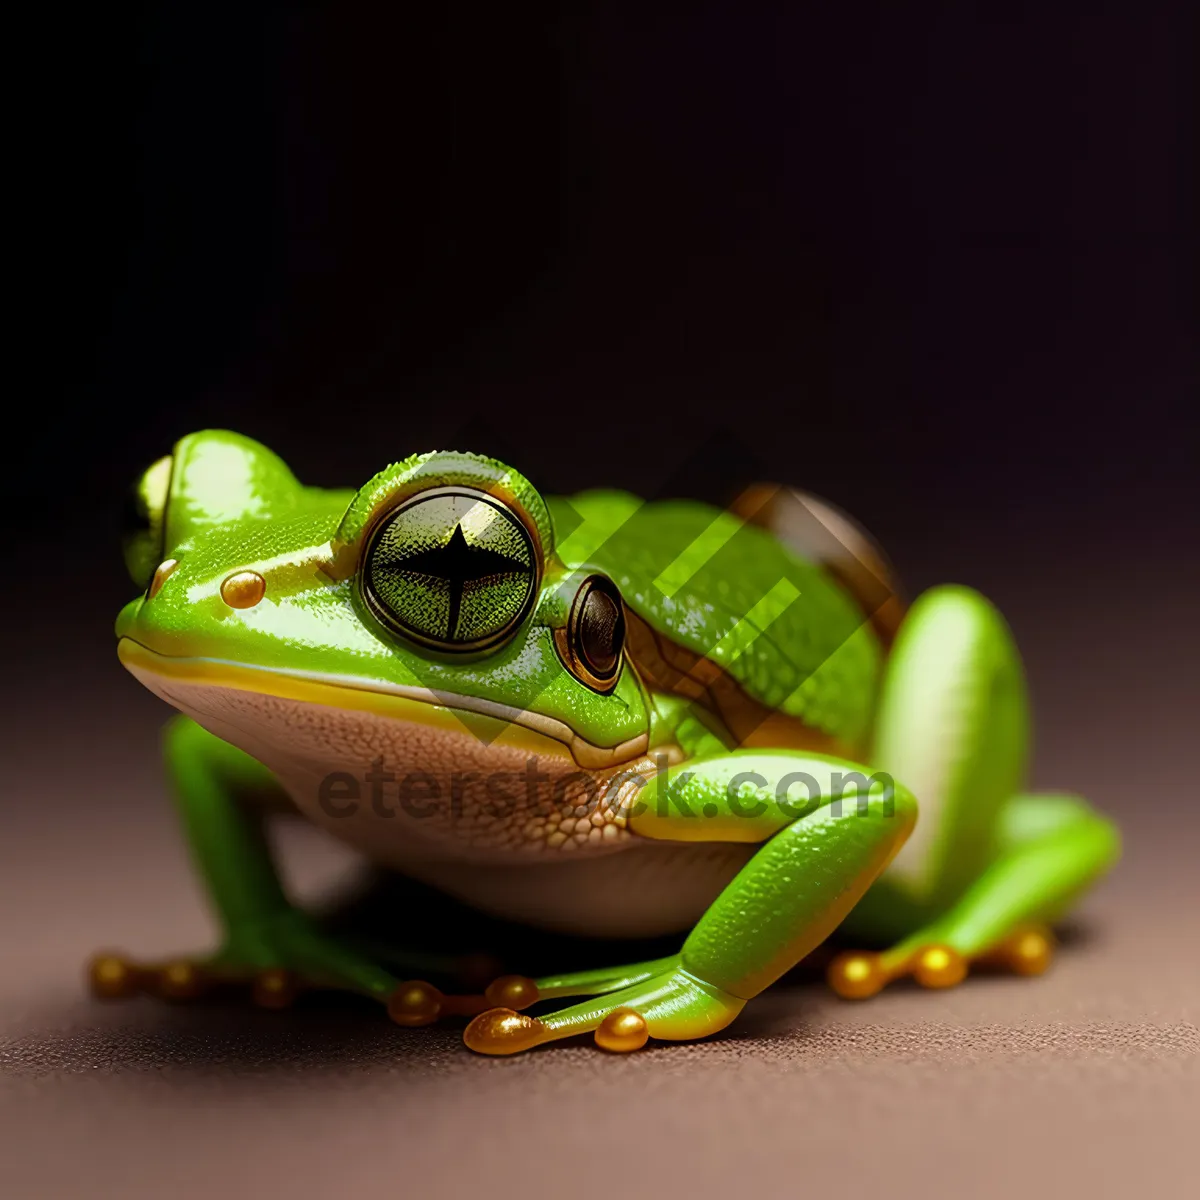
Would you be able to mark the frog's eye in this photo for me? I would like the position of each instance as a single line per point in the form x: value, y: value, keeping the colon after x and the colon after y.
x: 143, y: 521
x: 596, y: 634
x: 452, y: 568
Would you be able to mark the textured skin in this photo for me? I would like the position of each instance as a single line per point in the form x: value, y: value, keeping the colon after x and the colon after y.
x: 809, y: 858
x: 441, y: 469
x: 305, y: 681
x: 302, y: 743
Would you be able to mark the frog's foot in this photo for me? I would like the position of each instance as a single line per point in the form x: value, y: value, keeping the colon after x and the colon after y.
x: 416, y: 1003
x: 114, y: 977
x: 275, y: 959
x: 1027, y: 951
x: 419, y: 1003
x: 856, y: 975
x: 671, y: 1006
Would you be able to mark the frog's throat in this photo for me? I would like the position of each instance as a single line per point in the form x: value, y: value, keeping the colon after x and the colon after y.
x: 513, y: 726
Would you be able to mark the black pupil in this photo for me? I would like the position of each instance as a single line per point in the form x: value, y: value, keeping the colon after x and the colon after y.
x: 601, y: 632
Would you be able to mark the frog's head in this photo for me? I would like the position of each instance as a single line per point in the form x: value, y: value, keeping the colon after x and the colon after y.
x: 424, y: 621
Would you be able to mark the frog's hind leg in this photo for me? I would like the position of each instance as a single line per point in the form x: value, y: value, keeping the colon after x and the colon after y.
x: 987, y: 869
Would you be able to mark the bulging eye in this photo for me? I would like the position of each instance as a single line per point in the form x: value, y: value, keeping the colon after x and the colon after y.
x: 143, y: 521
x: 453, y: 569
x: 596, y: 633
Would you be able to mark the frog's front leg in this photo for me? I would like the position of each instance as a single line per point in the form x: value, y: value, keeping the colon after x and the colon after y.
x: 267, y: 942
x: 828, y: 828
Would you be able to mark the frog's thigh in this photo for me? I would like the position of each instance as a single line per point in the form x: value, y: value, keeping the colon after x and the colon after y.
x: 953, y: 726
x: 809, y: 872
x: 984, y: 863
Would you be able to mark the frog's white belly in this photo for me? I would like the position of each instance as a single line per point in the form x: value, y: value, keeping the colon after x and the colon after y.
x: 650, y: 888
x: 556, y: 855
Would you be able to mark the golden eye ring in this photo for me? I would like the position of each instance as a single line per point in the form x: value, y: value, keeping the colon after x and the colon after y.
x: 593, y: 643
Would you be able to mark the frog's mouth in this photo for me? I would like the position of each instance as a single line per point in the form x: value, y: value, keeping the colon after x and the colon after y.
x: 533, y: 732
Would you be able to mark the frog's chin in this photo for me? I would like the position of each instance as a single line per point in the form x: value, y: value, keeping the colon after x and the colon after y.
x: 175, y: 679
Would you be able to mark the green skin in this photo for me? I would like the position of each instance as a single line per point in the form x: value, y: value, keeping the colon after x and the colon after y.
x: 941, y: 711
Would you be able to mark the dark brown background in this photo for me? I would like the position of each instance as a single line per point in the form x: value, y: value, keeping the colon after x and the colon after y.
x: 936, y: 264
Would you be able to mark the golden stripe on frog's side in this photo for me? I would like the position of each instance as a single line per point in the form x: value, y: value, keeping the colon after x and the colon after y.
x: 665, y: 666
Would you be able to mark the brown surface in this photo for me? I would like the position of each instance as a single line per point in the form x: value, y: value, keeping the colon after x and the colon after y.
x: 1084, y: 1082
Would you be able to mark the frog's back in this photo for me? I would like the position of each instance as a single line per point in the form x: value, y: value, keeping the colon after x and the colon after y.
x: 720, y: 597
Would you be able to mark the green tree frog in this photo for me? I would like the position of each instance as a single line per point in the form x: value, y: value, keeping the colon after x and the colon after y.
x: 600, y: 716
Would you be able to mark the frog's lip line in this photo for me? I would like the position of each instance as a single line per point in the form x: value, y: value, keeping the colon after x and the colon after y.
x: 315, y: 688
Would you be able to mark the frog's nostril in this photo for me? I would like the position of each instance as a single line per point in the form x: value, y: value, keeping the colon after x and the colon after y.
x: 161, y: 574
x: 243, y: 589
